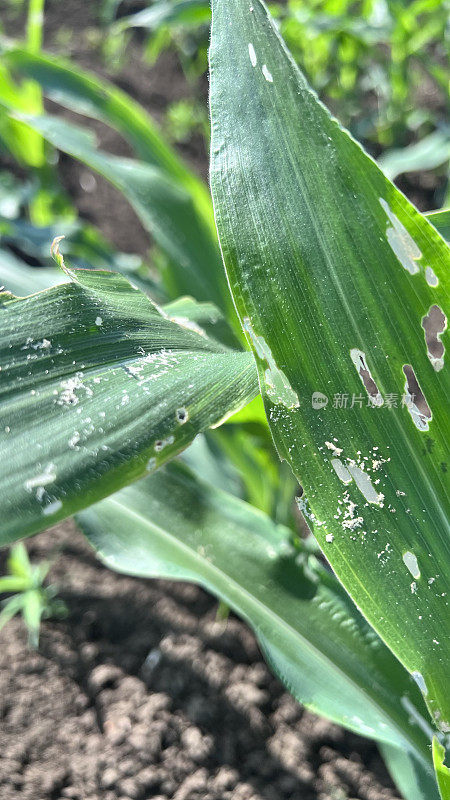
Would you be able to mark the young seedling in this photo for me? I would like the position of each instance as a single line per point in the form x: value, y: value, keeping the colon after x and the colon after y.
x: 28, y: 596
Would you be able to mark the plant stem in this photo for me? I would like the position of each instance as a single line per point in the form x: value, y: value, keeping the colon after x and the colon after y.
x: 35, y: 25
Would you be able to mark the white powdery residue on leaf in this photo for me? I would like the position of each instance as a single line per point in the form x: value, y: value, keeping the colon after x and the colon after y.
x: 45, y: 344
x: 73, y: 441
x: 336, y: 450
x: 98, y: 322
x: 350, y: 519
x: 44, y: 478
x: 68, y: 395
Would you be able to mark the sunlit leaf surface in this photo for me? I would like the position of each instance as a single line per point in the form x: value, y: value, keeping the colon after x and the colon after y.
x: 341, y: 286
x: 97, y: 387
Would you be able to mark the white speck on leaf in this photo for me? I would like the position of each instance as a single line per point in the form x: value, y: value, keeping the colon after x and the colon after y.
x: 73, y: 441
x: 45, y: 477
x: 252, y: 54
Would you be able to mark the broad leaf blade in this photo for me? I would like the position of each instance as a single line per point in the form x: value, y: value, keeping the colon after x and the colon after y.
x: 97, y: 388
x: 172, y: 525
x: 333, y: 273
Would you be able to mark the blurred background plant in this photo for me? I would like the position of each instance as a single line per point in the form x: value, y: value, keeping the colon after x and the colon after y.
x: 24, y: 583
x: 380, y: 65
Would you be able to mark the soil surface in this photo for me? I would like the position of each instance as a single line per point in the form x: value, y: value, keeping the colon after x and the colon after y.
x: 140, y: 693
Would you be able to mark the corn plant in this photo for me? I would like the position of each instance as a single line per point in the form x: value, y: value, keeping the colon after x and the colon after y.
x: 327, y: 337
x: 27, y: 593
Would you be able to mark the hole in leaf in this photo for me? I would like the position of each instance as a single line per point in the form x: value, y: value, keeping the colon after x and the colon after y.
x: 434, y: 324
x: 415, y: 400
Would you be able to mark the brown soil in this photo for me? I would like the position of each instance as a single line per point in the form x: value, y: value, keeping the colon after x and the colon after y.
x: 140, y: 693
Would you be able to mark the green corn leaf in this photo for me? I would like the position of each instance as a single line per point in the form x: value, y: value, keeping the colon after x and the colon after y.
x: 340, y: 284
x: 163, y: 12
x: 12, y: 607
x: 84, y: 93
x: 99, y: 386
x: 172, y: 525
x: 412, y: 781
x: 442, y: 771
x: 19, y: 564
x: 32, y: 610
x: 163, y: 205
x: 20, y: 279
x: 432, y: 151
x: 441, y: 221
x: 173, y: 203
x: 13, y: 583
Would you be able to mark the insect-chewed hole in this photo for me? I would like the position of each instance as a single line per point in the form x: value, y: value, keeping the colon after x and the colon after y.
x: 416, y: 402
x: 182, y: 415
x: 434, y: 324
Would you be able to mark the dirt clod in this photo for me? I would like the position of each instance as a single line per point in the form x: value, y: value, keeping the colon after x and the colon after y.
x: 82, y: 720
